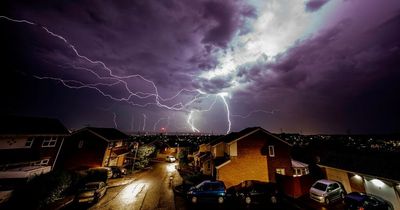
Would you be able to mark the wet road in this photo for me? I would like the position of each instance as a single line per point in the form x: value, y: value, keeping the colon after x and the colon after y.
x: 151, y: 189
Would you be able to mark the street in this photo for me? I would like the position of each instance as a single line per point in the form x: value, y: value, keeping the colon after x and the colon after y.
x: 151, y: 189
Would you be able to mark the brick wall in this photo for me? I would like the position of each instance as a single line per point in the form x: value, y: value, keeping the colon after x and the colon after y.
x: 250, y: 164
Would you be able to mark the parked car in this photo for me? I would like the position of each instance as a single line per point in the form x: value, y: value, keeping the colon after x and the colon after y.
x: 326, y: 191
x: 362, y: 201
x: 118, y: 171
x: 208, y: 191
x: 170, y: 159
x: 100, y: 169
x: 252, y: 191
x: 91, y: 192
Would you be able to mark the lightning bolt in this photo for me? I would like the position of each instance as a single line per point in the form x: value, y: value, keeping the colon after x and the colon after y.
x: 158, y: 98
x: 159, y: 101
x: 158, y: 121
x: 115, y: 120
x: 222, y: 95
x: 190, y: 122
x: 144, y: 122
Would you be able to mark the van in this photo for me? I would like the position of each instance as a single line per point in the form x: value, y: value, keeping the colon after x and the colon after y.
x: 326, y: 191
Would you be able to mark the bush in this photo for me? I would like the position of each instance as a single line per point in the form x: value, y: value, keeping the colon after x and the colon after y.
x: 41, y: 191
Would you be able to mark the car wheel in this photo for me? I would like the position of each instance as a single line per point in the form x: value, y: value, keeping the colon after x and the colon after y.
x: 220, y: 200
x: 194, y: 199
x: 247, y: 200
x: 327, y: 201
x: 115, y: 175
x: 96, y: 199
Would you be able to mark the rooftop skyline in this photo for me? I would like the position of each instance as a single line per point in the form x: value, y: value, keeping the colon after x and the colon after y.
x: 318, y: 66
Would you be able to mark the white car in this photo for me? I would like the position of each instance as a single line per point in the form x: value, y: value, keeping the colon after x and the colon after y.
x: 325, y: 191
x: 170, y: 159
x: 91, y: 192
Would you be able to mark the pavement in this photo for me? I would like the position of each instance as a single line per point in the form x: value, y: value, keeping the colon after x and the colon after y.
x: 67, y: 202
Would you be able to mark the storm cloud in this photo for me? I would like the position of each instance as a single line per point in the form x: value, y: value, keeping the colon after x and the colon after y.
x: 317, y: 67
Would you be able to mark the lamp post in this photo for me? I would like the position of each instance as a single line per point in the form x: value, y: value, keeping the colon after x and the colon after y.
x: 177, y: 151
x: 136, y: 147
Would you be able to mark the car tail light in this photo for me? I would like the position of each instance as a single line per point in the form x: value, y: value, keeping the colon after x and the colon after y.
x: 360, y: 208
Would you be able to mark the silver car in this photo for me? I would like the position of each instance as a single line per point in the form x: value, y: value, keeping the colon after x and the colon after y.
x: 91, y: 192
x: 326, y: 191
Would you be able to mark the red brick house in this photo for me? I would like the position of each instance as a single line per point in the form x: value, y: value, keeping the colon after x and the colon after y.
x: 29, y: 146
x: 252, y: 154
x: 94, y: 147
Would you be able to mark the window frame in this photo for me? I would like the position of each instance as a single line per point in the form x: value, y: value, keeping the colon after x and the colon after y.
x: 271, y: 150
x: 48, y: 141
x: 44, y: 162
x: 280, y: 171
x: 31, y: 140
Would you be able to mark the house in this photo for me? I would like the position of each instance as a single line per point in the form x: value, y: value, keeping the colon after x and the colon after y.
x: 365, y: 172
x: 29, y: 146
x: 252, y: 154
x: 202, y: 159
x: 94, y: 147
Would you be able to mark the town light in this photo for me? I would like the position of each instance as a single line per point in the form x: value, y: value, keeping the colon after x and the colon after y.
x: 378, y: 183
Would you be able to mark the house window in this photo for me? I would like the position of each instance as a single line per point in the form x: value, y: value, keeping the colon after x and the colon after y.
x: 271, y: 151
x: 44, y: 162
x: 80, y: 144
x: 280, y: 171
x: 29, y: 142
x: 49, y: 142
x: 300, y: 171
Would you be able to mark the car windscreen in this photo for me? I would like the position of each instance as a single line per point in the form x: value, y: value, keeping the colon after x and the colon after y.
x: 93, y: 186
x: 320, y: 186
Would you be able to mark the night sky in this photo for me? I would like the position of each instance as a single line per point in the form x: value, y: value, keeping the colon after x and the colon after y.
x: 318, y: 66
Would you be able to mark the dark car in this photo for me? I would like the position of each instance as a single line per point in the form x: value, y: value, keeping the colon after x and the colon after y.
x: 252, y: 191
x: 91, y: 192
x: 362, y: 201
x: 208, y: 191
x: 118, y: 171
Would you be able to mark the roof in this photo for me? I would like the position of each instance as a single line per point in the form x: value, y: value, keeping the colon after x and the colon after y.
x: 374, y: 164
x: 234, y: 136
x: 220, y: 161
x: 120, y: 151
x: 16, y: 125
x: 108, y: 134
x: 298, y: 164
x: 327, y: 182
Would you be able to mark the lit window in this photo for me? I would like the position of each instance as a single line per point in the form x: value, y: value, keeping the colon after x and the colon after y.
x: 29, y: 142
x: 271, y: 151
x: 49, y: 142
x: 280, y: 171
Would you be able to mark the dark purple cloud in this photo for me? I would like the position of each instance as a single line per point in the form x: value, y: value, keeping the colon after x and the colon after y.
x: 314, y: 5
x: 344, y: 76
